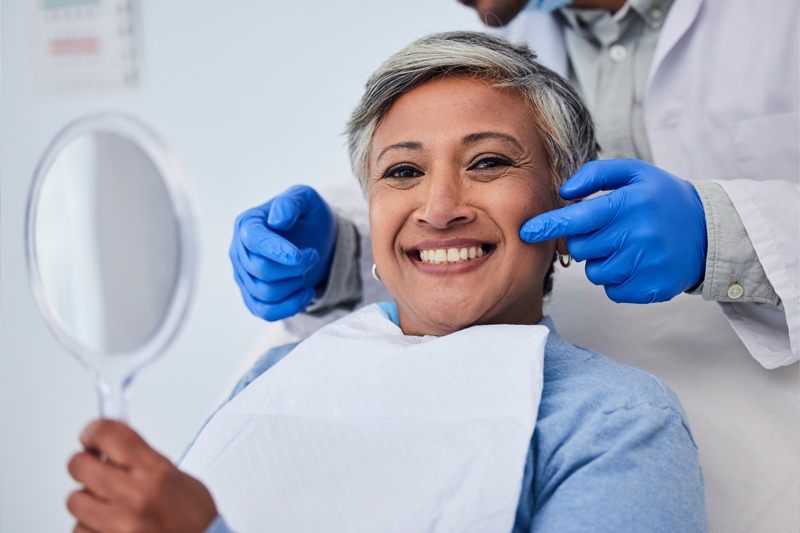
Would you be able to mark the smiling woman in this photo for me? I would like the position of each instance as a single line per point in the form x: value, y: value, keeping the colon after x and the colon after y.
x: 458, y: 141
x: 448, y: 411
x: 459, y: 165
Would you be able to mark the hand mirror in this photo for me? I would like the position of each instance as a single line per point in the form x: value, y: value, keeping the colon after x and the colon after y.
x: 110, y: 248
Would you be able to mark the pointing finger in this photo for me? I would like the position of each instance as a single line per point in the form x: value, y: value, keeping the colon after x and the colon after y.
x: 574, y: 219
x: 291, y: 205
x: 597, y: 176
x: 267, y: 270
x: 259, y: 239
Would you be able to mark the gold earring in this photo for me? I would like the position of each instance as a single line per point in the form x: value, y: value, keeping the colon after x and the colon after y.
x: 561, y: 260
x: 375, y: 272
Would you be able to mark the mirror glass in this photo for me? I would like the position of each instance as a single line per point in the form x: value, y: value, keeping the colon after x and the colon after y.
x: 110, y: 248
x: 107, y: 243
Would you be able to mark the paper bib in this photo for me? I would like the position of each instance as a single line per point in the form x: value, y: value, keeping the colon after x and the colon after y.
x: 361, y: 428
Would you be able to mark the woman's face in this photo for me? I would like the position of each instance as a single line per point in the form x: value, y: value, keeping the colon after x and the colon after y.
x: 456, y: 167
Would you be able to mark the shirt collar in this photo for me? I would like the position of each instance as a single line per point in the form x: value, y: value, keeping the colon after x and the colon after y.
x: 606, y: 28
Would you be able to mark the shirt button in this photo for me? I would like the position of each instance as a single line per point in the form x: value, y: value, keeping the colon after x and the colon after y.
x: 735, y: 291
x: 656, y: 13
x: 618, y: 53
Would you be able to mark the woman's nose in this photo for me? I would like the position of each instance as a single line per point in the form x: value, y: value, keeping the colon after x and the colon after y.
x: 445, y: 203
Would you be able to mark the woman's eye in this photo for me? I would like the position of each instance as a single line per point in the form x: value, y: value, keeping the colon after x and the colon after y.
x: 403, y: 171
x: 489, y: 163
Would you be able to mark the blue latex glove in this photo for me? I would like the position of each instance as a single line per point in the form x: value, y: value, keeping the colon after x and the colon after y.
x: 645, y: 241
x: 282, y: 250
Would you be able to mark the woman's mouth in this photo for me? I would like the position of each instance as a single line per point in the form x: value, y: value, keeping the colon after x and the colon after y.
x: 452, y: 256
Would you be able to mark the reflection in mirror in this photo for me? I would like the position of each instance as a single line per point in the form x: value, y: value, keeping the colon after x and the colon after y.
x: 110, y: 248
x: 107, y: 243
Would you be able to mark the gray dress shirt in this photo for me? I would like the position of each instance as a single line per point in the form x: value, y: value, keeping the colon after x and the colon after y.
x: 610, y: 58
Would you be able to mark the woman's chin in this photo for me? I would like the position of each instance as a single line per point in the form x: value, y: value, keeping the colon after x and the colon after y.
x: 442, y: 319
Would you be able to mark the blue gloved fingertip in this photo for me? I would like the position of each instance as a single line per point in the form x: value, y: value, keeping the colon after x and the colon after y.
x: 531, y: 230
x: 291, y: 257
x: 569, y: 191
x: 278, y: 216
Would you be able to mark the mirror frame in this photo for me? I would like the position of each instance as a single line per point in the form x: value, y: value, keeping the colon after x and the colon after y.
x: 183, y: 204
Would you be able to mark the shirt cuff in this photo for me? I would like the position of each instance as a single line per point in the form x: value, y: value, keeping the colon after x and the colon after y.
x: 218, y: 526
x: 733, y: 270
x: 343, y: 289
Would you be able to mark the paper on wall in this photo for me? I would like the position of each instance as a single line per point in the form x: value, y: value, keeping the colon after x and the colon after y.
x: 81, y: 45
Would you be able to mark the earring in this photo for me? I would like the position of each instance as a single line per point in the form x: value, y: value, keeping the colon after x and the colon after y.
x: 375, y: 272
x: 563, y: 263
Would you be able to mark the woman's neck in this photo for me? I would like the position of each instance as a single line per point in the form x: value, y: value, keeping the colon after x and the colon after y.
x: 413, y: 324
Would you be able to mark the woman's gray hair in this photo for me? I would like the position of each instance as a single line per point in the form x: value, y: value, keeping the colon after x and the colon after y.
x: 564, y: 122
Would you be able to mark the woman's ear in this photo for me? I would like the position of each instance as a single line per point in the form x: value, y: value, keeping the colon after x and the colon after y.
x: 561, y: 246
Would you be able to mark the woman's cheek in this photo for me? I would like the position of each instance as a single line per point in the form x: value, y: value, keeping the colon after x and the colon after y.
x: 383, y: 232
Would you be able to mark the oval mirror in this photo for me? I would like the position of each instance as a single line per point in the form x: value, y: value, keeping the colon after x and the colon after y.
x: 110, y: 248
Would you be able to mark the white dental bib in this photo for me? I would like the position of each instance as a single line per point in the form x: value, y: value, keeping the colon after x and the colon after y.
x: 361, y: 428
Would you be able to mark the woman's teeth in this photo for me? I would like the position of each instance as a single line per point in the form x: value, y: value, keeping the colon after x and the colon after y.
x: 451, y: 256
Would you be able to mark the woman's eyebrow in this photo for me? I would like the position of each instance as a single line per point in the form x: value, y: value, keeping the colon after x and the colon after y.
x: 408, y: 145
x: 475, y: 137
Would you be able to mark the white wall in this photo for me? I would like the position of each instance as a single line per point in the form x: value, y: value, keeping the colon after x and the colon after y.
x: 252, y: 95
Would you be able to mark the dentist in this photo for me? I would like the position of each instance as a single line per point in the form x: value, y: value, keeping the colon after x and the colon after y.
x: 696, y: 104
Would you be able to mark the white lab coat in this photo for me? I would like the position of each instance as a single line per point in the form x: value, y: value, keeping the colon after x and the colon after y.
x: 722, y: 104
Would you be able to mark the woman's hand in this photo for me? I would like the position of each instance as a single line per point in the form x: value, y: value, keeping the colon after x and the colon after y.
x: 135, y: 488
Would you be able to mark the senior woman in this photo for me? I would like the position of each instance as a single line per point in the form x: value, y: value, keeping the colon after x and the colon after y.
x: 459, y: 139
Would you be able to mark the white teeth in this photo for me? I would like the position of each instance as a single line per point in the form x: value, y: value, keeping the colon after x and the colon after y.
x: 451, y: 255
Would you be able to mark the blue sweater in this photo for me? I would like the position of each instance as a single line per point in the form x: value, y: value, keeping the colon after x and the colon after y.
x: 611, y: 452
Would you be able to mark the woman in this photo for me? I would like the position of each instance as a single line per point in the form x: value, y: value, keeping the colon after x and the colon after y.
x: 459, y: 139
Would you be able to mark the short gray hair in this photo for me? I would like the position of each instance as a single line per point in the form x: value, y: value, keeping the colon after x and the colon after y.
x: 563, y: 120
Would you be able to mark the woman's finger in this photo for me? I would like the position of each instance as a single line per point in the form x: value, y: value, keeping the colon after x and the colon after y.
x: 91, y: 513
x: 118, y: 442
x: 83, y: 528
x: 102, y: 479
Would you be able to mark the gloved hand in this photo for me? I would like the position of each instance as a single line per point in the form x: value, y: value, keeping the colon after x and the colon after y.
x: 645, y: 242
x: 282, y: 250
